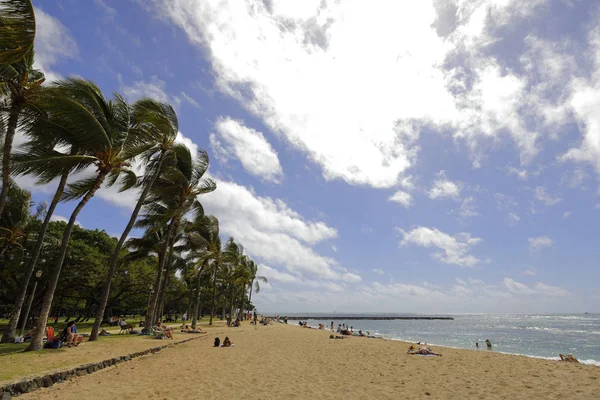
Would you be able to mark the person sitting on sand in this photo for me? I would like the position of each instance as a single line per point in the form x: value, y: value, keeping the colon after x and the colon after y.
x: 226, y: 342
x: 426, y: 351
x: 217, y: 342
x: 29, y: 335
x: 103, y: 332
x: 568, y: 358
x: 166, y: 330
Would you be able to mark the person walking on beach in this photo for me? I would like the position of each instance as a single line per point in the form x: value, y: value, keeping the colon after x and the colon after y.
x: 255, y: 318
x: 331, y: 326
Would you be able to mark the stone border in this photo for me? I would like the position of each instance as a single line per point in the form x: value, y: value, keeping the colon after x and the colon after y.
x: 30, y: 385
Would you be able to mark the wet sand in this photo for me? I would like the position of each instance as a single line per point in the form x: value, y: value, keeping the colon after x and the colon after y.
x: 291, y: 362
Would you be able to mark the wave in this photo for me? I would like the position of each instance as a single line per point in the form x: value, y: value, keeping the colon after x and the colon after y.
x: 555, y: 330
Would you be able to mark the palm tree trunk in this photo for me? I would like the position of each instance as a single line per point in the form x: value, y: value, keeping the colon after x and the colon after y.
x: 112, y: 264
x: 196, y: 300
x: 154, y: 295
x: 165, y: 281
x: 243, y: 302
x: 10, y: 135
x: 9, y: 334
x: 231, y: 301
x: 250, y: 295
x: 150, y: 315
x: 36, y: 342
x: 214, y: 293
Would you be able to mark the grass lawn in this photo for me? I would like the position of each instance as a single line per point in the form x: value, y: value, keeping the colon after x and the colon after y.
x: 15, y: 364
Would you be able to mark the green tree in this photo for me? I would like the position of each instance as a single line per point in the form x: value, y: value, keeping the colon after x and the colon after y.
x: 103, y: 131
x: 17, y: 30
x: 21, y: 84
x: 175, y: 194
x: 156, y: 123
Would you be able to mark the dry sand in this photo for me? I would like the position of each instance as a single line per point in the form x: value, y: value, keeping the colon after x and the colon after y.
x: 290, y: 362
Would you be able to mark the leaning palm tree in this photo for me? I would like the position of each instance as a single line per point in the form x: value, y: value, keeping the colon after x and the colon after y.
x: 157, y: 123
x: 174, y: 194
x: 254, y: 285
x: 21, y: 84
x: 35, y: 149
x: 103, y: 133
x: 17, y: 30
x: 203, y: 243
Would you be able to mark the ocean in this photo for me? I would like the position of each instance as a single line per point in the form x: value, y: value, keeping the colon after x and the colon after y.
x: 542, y: 336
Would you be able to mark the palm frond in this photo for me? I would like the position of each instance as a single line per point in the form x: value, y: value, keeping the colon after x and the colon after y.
x: 78, y: 189
x: 17, y: 29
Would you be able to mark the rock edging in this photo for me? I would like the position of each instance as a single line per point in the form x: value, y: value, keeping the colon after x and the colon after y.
x: 7, y: 392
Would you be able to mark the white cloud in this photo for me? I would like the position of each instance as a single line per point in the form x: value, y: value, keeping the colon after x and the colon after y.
x: 190, y: 100
x: 273, y: 274
x: 334, y: 249
x: 60, y: 218
x: 567, y: 214
x: 294, y: 64
x: 476, y: 281
x: 250, y: 146
x: 467, y: 209
x: 513, y: 218
x: 402, y: 197
x: 460, y: 281
x: 530, y: 272
x: 442, y: 188
x: 378, y: 271
x: 155, y: 89
x: 545, y: 197
x: 455, y: 249
x: 539, y: 289
x: 538, y: 243
x: 53, y: 42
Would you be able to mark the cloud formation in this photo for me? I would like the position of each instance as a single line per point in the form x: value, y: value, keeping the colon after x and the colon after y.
x: 53, y: 42
x: 538, y: 243
x: 257, y: 156
x: 455, y: 249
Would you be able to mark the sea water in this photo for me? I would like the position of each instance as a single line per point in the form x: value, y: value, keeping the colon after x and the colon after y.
x: 543, y: 336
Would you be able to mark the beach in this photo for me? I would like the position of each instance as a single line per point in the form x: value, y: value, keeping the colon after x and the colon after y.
x: 286, y: 361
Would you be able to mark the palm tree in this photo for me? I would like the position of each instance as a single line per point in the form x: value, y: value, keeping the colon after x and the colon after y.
x: 35, y: 149
x: 102, y: 129
x: 254, y: 281
x: 202, y: 244
x: 21, y: 84
x: 158, y: 123
x: 17, y: 30
x: 174, y: 194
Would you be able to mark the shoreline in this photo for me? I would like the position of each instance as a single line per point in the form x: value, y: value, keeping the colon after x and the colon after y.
x: 280, y: 362
x: 592, y: 362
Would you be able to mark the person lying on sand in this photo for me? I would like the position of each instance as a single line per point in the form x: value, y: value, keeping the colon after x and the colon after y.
x: 336, y: 337
x: 426, y: 351
x: 568, y: 358
x: 190, y: 330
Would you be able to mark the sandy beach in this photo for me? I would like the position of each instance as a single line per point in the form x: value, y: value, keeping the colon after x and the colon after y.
x: 290, y: 362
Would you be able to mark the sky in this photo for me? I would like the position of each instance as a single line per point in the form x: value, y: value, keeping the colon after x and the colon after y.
x: 439, y: 156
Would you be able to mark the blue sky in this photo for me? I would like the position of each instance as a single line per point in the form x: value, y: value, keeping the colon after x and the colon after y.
x: 432, y: 157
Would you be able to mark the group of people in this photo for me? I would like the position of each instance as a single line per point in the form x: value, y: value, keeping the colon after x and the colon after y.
x: 226, y: 342
x: 187, y: 329
x: 488, y: 343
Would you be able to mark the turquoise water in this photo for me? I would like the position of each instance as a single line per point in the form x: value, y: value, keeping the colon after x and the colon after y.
x: 543, y: 336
